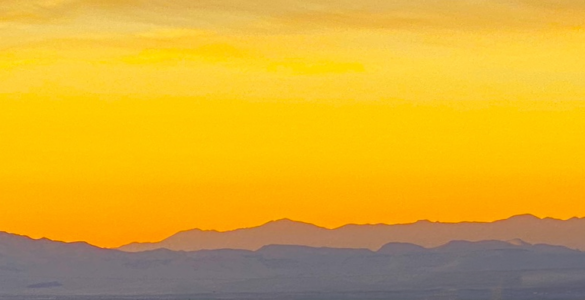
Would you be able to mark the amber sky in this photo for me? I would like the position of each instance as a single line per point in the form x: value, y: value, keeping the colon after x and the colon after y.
x: 129, y: 120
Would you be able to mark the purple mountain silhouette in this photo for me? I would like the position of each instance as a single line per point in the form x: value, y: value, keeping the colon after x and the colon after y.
x: 528, y: 228
x: 30, y: 268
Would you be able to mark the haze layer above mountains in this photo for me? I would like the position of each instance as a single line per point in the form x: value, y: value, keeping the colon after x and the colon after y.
x: 569, y: 233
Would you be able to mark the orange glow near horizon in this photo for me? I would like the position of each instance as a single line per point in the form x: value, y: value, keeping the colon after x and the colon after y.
x: 127, y: 121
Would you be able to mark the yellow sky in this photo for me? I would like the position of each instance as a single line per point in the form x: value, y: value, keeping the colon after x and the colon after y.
x: 129, y: 120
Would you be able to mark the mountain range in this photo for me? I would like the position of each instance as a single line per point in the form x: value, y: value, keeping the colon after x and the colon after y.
x: 569, y: 233
x: 459, y: 269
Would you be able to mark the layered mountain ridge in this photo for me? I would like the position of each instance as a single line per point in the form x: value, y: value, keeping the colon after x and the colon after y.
x: 569, y: 233
x: 42, y: 267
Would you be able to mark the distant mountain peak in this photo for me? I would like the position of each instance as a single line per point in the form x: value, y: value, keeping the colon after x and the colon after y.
x: 286, y: 223
x: 425, y: 221
x: 461, y: 245
x: 283, y: 221
x: 525, y: 217
x: 396, y: 248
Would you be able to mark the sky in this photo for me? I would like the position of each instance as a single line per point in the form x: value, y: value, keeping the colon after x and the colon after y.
x: 130, y: 120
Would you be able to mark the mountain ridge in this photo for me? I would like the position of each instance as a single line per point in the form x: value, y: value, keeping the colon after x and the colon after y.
x: 44, y: 267
x: 527, y: 227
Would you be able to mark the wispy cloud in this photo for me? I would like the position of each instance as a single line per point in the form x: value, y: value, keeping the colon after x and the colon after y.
x: 460, y: 14
x: 300, y: 37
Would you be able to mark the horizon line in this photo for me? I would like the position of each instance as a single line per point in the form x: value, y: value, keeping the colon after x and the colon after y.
x: 525, y: 215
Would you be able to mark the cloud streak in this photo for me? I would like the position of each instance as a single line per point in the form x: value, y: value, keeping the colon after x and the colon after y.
x: 231, y: 14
